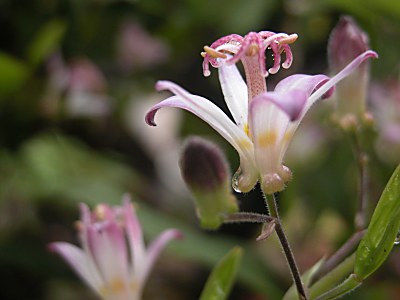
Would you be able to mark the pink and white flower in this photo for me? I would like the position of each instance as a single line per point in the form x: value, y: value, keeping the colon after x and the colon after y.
x: 264, y: 121
x: 113, y: 260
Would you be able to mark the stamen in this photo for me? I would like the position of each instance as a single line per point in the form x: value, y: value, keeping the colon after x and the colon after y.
x: 213, y: 53
x: 290, y: 39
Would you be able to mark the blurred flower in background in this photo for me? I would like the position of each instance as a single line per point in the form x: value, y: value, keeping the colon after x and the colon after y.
x: 162, y: 145
x: 113, y: 260
x: 137, y: 49
x: 385, y: 106
x: 79, y: 84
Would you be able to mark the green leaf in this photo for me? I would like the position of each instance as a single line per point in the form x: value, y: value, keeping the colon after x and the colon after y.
x: 332, y: 280
x: 64, y: 167
x: 344, y: 288
x: 46, y: 41
x: 221, y: 279
x: 383, y: 228
x: 13, y: 73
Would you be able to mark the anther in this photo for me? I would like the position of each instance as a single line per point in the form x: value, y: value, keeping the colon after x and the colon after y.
x: 213, y: 53
x: 290, y: 39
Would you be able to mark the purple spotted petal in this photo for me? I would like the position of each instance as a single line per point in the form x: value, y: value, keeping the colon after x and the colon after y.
x: 342, y: 74
x: 290, y: 101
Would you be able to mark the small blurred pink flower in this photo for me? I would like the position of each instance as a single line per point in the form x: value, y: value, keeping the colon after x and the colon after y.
x: 385, y: 107
x: 265, y: 120
x: 83, y: 85
x: 137, y: 49
x: 113, y: 260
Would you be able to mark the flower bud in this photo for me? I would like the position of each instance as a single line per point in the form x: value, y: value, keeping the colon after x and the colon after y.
x: 346, y: 42
x: 205, y: 170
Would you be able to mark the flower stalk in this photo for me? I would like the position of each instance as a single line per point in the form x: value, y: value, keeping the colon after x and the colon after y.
x: 271, y: 203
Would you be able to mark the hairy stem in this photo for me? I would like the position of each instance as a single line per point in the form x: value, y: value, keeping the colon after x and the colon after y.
x: 273, y: 210
x: 248, y: 217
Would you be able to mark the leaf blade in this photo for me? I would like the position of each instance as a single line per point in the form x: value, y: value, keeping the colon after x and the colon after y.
x: 381, y: 235
x: 221, y: 279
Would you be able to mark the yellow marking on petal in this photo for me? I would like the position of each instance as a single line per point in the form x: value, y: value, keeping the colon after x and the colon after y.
x: 267, y: 138
x: 288, y: 40
x: 246, y: 128
x: 288, y: 136
x: 213, y: 53
x: 117, y: 285
x: 245, y: 143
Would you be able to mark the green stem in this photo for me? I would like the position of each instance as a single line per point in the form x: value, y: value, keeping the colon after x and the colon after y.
x: 362, y: 165
x: 273, y: 210
x: 339, y: 255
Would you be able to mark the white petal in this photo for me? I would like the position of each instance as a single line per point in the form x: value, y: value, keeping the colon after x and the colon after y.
x: 235, y: 93
x: 268, y: 125
x: 210, y: 113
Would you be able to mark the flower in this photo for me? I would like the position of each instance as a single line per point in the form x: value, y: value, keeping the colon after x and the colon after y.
x: 265, y: 121
x: 113, y: 260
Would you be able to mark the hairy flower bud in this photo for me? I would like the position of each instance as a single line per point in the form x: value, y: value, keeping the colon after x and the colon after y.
x: 346, y: 42
x: 205, y: 170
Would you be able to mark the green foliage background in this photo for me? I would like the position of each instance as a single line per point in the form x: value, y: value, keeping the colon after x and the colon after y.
x: 51, y: 160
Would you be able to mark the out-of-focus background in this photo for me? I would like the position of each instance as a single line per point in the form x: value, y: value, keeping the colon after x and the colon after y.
x: 77, y: 76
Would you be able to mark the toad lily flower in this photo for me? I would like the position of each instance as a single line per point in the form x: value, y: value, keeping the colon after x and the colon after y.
x: 113, y: 260
x: 264, y: 121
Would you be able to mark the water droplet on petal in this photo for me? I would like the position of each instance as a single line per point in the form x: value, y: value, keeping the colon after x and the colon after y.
x: 397, y: 240
x: 235, y: 180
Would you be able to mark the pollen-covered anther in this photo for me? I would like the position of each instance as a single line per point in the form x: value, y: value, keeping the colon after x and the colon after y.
x: 252, y: 50
x: 290, y: 39
x: 100, y: 212
x: 78, y: 225
x: 213, y: 53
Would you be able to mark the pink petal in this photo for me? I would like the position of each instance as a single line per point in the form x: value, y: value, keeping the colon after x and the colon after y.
x: 290, y: 101
x: 107, y: 245
x: 135, y: 237
x: 342, y: 74
x: 79, y: 262
x: 157, y: 246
